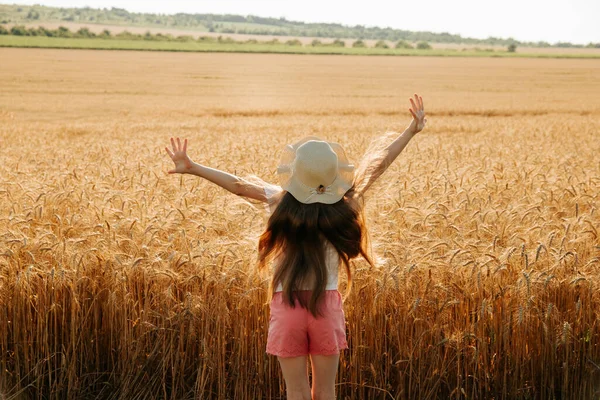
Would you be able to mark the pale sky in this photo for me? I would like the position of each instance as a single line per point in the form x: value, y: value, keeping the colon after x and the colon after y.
x: 576, y: 21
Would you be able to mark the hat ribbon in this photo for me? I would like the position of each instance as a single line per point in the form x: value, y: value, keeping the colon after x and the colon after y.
x: 320, y: 190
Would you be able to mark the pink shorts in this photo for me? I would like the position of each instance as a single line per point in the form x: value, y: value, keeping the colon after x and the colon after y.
x: 295, y: 332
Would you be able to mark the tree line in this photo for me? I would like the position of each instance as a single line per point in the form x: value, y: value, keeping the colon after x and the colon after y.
x: 251, y: 24
x: 85, y: 33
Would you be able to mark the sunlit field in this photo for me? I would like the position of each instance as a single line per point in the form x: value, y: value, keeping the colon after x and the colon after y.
x: 119, y: 281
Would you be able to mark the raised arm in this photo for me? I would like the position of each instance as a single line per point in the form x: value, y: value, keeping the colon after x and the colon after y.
x: 232, y: 183
x: 395, y: 148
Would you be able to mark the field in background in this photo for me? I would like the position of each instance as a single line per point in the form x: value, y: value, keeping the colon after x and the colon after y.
x: 118, y: 279
x: 438, y: 49
x: 282, y: 48
x: 98, y: 28
x: 225, y: 24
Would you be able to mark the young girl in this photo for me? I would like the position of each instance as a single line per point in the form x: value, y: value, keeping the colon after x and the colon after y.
x: 316, y: 223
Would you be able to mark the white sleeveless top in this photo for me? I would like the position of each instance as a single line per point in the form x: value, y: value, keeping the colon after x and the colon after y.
x: 332, y: 258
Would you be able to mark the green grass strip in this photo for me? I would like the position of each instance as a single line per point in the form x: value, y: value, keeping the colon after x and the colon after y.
x: 217, y: 47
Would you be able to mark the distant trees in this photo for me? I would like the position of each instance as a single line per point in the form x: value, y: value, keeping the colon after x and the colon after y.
x: 403, y: 44
x: 19, y: 31
x: 85, y: 33
x: 120, y: 12
x: 294, y: 42
x: 126, y: 35
x: 381, y: 44
x: 228, y: 40
x: 206, y: 39
x: 45, y: 32
x: 33, y: 14
x: 63, y: 32
x: 249, y: 25
x: 184, y: 38
x: 88, y: 33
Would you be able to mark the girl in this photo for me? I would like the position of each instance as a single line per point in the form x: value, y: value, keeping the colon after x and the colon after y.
x: 316, y: 223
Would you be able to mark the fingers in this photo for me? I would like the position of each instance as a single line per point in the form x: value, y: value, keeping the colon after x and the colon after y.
x: 417, y: 102
x: 413, y: 114
x: 177, y: 146
x: 414, y: 107
x: 169, y: 152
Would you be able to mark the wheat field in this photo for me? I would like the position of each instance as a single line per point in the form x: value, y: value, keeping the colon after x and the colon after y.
x: 119, y: 281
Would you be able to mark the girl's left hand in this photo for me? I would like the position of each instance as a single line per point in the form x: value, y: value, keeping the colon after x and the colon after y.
x: 418, y: 112
x: 183, y: 164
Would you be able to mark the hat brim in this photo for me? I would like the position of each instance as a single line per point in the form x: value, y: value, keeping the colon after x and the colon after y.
x: 302, y: 193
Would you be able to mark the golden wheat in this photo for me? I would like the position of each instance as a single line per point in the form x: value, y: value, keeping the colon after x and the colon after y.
x: 118, y: 281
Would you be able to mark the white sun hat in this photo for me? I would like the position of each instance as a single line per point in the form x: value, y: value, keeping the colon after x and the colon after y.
x: 315, y: 171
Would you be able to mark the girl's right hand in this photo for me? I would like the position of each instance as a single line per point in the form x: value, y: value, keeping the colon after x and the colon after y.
x: 183, y: 164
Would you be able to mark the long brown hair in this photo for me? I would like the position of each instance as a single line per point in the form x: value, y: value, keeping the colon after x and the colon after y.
x: 296, y: 234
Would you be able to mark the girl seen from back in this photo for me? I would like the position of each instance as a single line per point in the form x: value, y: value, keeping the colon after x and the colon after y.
x: 316, y: 224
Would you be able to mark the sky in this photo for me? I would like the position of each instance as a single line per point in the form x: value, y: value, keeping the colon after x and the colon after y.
x: 575, y: 21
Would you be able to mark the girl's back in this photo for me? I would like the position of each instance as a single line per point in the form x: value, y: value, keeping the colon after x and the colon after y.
x: 316, y: 224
